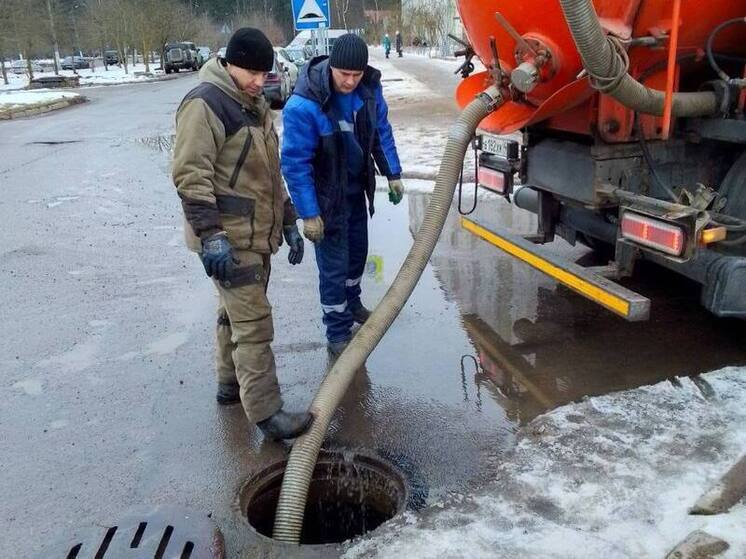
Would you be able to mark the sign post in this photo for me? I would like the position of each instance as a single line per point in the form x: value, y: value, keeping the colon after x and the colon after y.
x: 313, y: 15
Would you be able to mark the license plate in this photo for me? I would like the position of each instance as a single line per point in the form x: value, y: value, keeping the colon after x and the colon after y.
x: 497, y: 146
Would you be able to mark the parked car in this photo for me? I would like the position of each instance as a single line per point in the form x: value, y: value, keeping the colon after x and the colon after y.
x: 204, y: 54
x: 297, y: 56
x: 287, y: 64
x: 181, y: 56
x: 21, y: 67
x: 277, y: 86
x: 74, y: 63
x: 112, y: 57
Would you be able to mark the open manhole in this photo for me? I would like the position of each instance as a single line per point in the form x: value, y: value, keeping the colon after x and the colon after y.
x: 350, y: 494
x: 165, y: 532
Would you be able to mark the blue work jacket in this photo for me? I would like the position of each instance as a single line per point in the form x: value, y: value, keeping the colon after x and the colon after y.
x: 314, y: 151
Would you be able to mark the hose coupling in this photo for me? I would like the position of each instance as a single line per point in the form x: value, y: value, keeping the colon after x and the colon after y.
x: 492, y: 98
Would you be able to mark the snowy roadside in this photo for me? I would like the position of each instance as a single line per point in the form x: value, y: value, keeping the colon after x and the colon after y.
x: 16, y: 104
x: 400, y: 87
x: 113, y: 76
x: 612, y: 476
x: 420, y: 143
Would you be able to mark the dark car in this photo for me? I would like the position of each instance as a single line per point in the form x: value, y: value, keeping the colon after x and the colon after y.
x: 181, y: 56
x: 112, y: 57
x: 74, y: 63
x: 277, y: 86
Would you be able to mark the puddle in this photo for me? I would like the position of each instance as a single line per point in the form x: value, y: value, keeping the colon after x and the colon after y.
x: 540, y: 345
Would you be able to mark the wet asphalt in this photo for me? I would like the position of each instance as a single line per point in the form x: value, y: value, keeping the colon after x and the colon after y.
x: 107, y: 326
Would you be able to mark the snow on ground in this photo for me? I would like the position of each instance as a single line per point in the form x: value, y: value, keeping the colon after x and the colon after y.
x: 612, y: 477
x: 17, y: 99
x: 97, y: 76
x: 448, y: 63
x: 400, y: 87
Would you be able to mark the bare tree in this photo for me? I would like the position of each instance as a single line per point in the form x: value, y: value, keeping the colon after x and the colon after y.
x: 24, y: 16
x: 268, y: 25
x: 114, y: 18
x: 52, y: 10
x: 5, y: 39
x: 208, y: 33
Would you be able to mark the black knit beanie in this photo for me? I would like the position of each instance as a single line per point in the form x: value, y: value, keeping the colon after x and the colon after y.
x: 349, y: 53
x: 250, y: 49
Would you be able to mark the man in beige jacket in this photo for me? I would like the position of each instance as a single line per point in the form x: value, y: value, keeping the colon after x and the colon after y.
x: 227, y: 173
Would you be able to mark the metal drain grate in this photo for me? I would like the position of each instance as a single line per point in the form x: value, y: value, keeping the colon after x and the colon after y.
x: 160, y: 533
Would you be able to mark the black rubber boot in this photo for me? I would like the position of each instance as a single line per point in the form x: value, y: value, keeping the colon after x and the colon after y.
x: 336, y: 348
x: 228, y: 394
x: 284, y: 425
x: 360, y: 314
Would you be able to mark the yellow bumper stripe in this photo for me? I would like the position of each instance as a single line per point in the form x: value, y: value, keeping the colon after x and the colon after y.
x: 595, y: 293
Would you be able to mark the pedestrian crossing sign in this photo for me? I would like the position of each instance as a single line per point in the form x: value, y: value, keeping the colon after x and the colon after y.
x: 311, y: 14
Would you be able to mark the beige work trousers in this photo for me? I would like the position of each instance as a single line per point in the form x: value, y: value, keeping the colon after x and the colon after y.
x: 244, y: 335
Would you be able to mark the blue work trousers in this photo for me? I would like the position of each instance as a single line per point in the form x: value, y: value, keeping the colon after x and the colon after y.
x: 341, y: 257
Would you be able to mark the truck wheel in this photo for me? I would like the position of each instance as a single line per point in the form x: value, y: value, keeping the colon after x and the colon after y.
x: 168, y: 70
x: 731, y: 189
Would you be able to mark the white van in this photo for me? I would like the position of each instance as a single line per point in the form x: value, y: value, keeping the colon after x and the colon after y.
x: 302, y: 40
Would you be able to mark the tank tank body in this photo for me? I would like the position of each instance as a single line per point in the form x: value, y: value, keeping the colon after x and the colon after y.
x: 541, y: 23
x: 635, y: 148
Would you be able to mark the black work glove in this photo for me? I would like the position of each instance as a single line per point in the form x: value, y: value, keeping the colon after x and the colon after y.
x: 217, y: 256
x: 295, y: 243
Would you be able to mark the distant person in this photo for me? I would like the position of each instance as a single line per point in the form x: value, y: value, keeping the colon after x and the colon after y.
x: 399, y: 44
x: 335, y: 126
x: 226, y: 169
x: 387, y: 44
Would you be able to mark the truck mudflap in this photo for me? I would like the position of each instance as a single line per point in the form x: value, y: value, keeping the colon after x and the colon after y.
x: 724, y: 294
x: 588, y: 283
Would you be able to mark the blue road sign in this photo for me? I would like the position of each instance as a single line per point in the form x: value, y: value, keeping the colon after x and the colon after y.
x: 311, y: 14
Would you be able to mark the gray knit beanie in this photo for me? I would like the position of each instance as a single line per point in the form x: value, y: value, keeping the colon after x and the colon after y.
x: 349, y: 53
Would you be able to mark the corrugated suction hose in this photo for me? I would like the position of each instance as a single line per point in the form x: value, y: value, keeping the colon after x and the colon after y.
x: 302, y: 461
x: 606, y: 66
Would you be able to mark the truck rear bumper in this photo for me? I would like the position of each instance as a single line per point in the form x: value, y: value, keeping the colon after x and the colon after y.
x: 597, y: 288
x: 722, y: 277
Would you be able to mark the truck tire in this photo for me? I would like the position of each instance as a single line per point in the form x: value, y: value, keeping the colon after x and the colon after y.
x: 168, y: 69
x: 732, y: 189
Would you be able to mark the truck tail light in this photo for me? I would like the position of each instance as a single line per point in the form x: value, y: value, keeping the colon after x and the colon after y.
x: 653, y: 233
x: 272, y: 78
x: 493, y: 180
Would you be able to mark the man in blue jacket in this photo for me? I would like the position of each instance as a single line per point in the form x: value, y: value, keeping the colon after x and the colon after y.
x: 335, y: 126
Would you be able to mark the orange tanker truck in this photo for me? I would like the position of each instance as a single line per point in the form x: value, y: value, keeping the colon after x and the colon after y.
x: 632, y: 134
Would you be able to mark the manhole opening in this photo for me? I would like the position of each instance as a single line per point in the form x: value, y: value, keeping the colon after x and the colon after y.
x: 349, y: 495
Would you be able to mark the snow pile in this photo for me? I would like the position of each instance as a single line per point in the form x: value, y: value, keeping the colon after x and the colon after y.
x: 25, y: 99
x: 98, y: 76
x: 116, y: 75
x: 613, y: 476
x: 15, y: 81
x: 421, y: 148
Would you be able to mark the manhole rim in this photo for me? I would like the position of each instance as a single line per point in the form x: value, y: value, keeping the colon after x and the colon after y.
x: 325, y: 455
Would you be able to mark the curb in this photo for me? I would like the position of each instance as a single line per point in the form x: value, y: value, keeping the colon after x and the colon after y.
x: 40, y: 108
